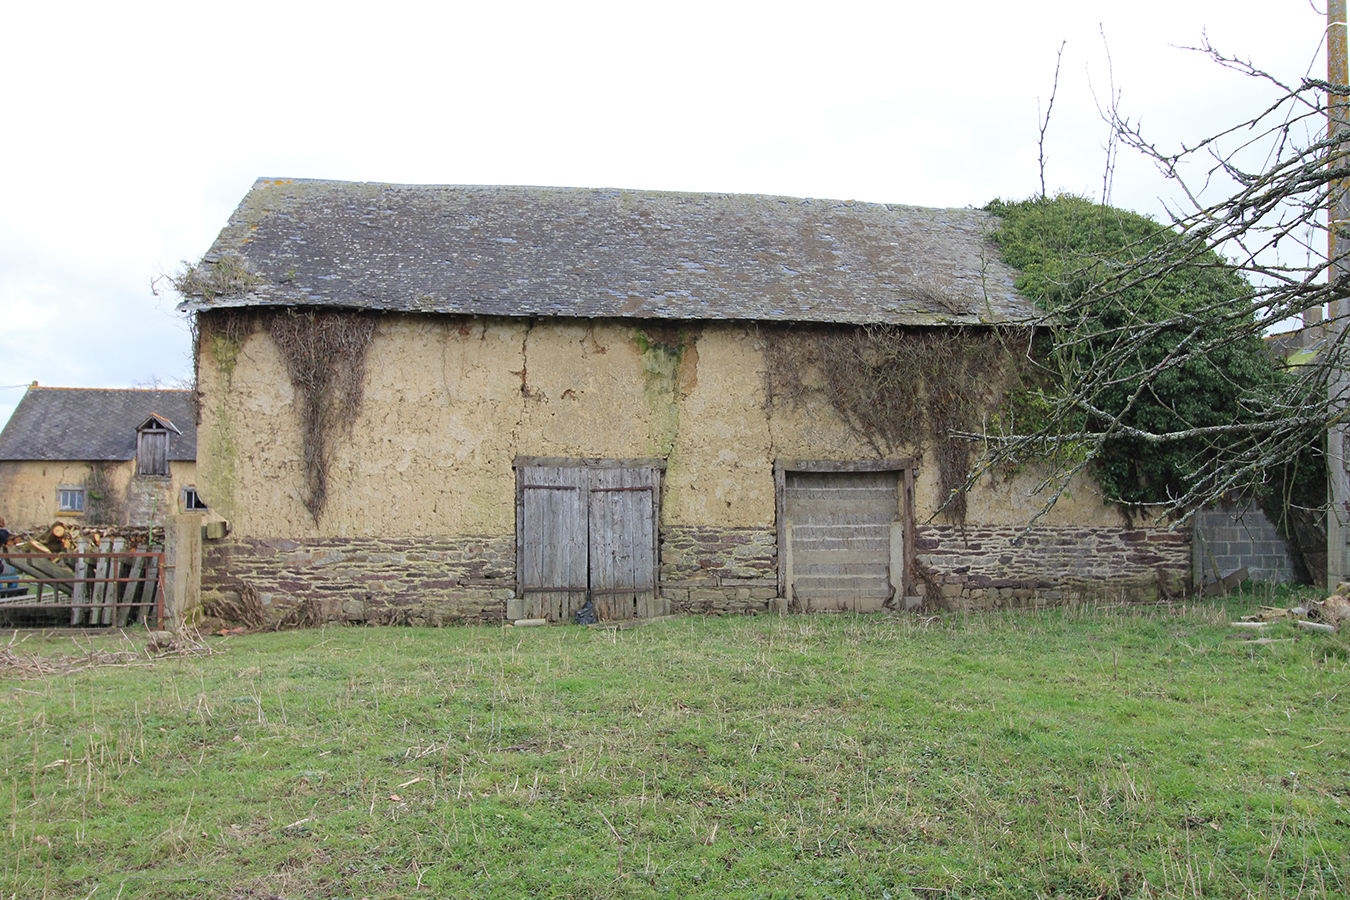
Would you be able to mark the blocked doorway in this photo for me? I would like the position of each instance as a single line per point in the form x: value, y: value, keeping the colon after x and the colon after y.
x: 845, y: 533
x: 587, y: 530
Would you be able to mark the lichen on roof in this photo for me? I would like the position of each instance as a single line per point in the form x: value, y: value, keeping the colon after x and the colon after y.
x: 593, y: 253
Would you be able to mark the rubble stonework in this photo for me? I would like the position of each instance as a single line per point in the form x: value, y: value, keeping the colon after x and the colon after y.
x: 989, y: 567
x: 421, y: 581
x: 718, y: 570
x: 704, y: 570
x: 150, y: 501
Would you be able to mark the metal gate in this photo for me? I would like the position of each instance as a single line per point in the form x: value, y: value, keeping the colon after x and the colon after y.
x: 586, y: 530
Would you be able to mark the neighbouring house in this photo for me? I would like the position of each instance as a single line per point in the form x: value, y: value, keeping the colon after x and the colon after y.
x: 439, y: 403
x: 114, y: 457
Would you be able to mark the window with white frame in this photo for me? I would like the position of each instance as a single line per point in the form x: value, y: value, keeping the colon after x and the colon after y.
x: 70, y: 498
x: 192, y: 500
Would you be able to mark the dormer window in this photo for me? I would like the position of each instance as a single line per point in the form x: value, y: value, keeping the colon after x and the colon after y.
x: 152, y: 446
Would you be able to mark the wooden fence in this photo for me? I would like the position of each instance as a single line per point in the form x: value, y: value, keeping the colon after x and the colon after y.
x: 86, y: 588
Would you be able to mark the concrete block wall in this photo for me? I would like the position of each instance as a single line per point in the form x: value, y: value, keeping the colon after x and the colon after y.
x: 1229, y: 539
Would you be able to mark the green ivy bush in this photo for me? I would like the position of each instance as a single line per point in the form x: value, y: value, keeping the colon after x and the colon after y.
x: 1078, y: 260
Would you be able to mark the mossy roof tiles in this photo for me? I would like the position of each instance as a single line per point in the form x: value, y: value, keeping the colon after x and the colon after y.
x: 594, y: 253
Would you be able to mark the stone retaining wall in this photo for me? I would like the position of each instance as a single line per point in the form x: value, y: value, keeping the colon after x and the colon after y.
x: 985, y: 568
x: 420, y: 581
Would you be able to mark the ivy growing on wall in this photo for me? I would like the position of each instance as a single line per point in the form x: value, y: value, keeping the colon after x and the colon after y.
x: 1152, y: 333
x: 102, y: 505
x: 1066, y: 248
x: 325, y: 354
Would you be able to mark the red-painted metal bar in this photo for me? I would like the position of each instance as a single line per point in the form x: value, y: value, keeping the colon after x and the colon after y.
x: 118, y: 560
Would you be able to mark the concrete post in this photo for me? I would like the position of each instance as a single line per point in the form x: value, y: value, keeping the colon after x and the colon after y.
x: 182, y: 570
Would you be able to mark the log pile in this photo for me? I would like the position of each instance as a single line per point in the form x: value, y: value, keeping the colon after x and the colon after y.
x: 62, y: 537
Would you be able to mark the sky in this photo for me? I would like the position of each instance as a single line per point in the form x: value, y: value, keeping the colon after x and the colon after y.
x: 132, y: 130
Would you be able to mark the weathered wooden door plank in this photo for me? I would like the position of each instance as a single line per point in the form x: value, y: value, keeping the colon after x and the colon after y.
x: 552, y: 553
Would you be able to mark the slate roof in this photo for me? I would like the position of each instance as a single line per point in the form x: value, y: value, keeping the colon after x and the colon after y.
x: 537, y: 251
x: 91, y: 424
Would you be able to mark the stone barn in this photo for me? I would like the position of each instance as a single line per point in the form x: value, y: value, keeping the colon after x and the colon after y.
x: 429, y: 403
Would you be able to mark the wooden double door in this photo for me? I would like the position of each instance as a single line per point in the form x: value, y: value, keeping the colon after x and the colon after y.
x: 586, y: 530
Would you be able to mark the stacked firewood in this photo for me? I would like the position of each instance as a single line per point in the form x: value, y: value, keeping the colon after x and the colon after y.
x: 61, y: 537
x: 104, y: 575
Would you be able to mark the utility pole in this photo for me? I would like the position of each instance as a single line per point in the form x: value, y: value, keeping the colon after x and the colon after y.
x: 1338, y: 220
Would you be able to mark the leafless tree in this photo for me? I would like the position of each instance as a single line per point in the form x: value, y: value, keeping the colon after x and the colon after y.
x: 1274, y: 175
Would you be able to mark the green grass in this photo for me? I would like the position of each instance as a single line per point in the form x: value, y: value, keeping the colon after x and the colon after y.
x: 1071, y: 753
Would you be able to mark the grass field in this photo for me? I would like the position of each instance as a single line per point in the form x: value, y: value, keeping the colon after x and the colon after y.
x: 1072, y: 753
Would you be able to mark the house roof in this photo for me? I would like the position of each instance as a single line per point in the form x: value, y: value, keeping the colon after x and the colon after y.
x: 536, y: 251
x: 93, y: 424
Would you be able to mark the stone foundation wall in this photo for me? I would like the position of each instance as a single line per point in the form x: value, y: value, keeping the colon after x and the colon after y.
x: 469, y: 579
x: 718, y: 570
x: 443, y: 580
x: 986, y: 568
x: 418, y: 581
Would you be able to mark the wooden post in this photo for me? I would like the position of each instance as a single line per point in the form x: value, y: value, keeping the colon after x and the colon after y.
x: 128, y: 593
x: 99, y: 612
x: 1338, y: 120
x: 80, y: 590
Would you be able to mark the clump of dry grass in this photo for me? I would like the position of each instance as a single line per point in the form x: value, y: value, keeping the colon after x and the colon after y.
x: 246, y: 611
x: 24, y: 665
x: 229, y: 275
x: 30, y: 665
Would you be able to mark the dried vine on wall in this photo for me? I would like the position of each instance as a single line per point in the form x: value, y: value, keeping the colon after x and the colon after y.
x: 224, y: 331
x: 325, y: 355
x: 896, y: 388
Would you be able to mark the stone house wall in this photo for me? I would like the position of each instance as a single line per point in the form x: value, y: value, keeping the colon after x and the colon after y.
x: 28, y: 491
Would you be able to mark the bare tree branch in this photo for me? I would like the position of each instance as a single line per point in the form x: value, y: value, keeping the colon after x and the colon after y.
x: 1049, y: 107
x: 1253, y: 200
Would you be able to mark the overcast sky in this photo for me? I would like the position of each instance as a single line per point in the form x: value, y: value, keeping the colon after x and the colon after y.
x: 132, y: 130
